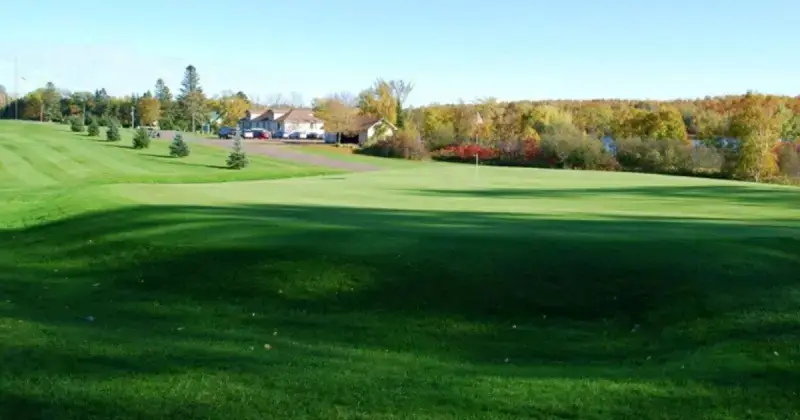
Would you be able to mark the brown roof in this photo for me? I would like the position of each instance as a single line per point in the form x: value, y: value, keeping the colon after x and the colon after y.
x: 364, y: 122
x: 299, y: 115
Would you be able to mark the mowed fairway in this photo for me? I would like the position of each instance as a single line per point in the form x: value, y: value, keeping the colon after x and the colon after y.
x: 433, y: 291
x: 40, y: 155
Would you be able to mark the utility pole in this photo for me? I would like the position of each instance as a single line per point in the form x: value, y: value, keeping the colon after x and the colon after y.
x: 133, y: 111
x: 16, y: 87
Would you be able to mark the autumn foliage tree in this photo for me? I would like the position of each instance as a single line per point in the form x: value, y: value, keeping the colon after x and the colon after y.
x: 379, y: 101
x: 756, y: 124
x: 149, y: 109
x: 231, y: 108
x: 337, y: 113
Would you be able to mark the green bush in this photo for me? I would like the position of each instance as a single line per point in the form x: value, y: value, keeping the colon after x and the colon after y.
x: 141, y: 140
x: 76, y: 124
x: 178, y: 147
x: 94, y: 128
x: 657, y: 155
x: 565, y: 146
x: 238, y: 158
x: 440, y: 138
x: 402, y: 145
x: 113, y: 131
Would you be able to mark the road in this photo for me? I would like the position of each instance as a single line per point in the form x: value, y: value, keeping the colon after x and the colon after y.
x: 278, y: 150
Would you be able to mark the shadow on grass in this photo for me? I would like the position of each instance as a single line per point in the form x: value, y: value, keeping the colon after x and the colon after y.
x: 192, y: 290
x: 115, y: 144
x: 747, y: 195
x: 179, y: 161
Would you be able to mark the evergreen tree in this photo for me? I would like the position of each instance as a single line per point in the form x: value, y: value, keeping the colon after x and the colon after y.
x: 401, y: 116
x: 113, y: 131
x: 178, y: 148
x: 94, y: 128
x: 76, y: 124
x: 141, y: 140
x: 192, y: 99
x: 238, y: 158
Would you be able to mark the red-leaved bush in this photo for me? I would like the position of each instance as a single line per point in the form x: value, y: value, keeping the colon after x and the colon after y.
x: 521, y: 152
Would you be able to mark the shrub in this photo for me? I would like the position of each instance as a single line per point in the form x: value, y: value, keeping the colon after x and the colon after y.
x: 401, y: 145
x: 94, y: 128
x: 141, y: 140
x: 789, y: 159
x: 655, y: 155
x: 76, y: 124
x: 564, y: 145
x: 113, y: 131
x: 238, y: 158
x: 707, y: 159
x: 178, y: 147
x: 440, y: 138
x: 466, y: 152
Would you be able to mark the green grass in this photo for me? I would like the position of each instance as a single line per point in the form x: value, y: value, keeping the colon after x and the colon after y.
x: 39, y: 155
x: 433, y: 293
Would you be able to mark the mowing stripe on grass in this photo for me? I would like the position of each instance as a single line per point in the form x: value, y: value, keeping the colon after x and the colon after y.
x: 30, y: 152
x: 19, y: 170
x: 58, y: 158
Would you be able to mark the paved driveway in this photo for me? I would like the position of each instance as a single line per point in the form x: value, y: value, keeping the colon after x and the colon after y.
x: 278, y: 150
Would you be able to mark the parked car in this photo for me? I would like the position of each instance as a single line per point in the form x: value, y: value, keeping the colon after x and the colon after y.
x: 261, y: 134
x: 313, y: 135
x: 247, y: 134
x: 227, y: 132
x: 298, y: 135
x: 280, y: 134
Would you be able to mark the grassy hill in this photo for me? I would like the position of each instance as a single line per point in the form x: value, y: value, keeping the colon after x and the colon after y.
x: 437, y: 292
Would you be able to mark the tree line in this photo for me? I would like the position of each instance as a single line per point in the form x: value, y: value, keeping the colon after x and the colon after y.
x: 189, y: 110
x: 750, y: 136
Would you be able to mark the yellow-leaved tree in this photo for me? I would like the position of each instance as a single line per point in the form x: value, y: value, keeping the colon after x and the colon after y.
x: 756, y: 124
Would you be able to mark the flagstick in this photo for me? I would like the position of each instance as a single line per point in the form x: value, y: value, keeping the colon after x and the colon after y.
x: 476, y: 166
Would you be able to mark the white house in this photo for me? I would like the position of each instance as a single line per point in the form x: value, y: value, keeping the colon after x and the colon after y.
x: 364, y: 129
x: 288, y: 120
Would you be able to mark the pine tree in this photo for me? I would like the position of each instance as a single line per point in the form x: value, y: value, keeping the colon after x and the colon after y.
x: 238, y: 158
x: 113, y: 131
x: 94, y: 128
x: 179, y: 148
x: 141, y: 140
x: 76, y: 124
x: 192, y: 98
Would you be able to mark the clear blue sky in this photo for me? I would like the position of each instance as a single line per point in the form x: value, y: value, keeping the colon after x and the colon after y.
x: 450, y: 49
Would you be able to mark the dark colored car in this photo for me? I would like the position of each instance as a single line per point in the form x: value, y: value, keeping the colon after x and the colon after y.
x: 261, y: 134
x: 227, y: 132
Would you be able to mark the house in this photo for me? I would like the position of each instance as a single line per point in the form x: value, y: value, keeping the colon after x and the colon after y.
x: 251, y: 115
x: 364, y: 128
x: 287, y: 120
